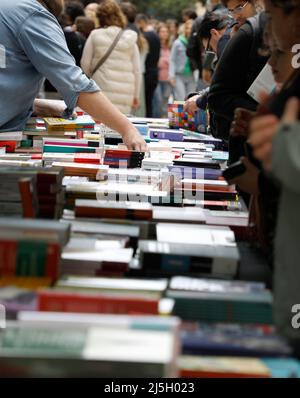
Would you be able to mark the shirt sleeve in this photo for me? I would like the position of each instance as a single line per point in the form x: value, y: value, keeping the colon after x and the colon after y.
x: 286, y: 157
x: 43, y: 42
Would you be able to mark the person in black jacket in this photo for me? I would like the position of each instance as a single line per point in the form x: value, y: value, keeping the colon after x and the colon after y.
x: 151, y: 65
x: 214, y: 34
x: 237, y: 68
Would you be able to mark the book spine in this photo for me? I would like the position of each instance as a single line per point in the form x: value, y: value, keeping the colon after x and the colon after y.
x: 129, y: 214
x: 29, y: 259
x: 57, y: 301
x: 27, y: 197
x: 10, y: 146
x: 66, y: 149
x: 170, y: 264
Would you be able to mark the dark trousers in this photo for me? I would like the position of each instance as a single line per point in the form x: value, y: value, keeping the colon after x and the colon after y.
x: 151, y: 81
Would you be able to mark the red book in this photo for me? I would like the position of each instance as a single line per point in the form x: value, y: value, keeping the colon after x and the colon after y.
x: 26, y: 192
x: 13, y: 264
x: 63, y: 301
x: 8, y: 257
x: 93, y: 158
x: 9, y: 145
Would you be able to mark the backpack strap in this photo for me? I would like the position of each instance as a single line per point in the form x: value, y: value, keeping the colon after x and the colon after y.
x: 108, y: 52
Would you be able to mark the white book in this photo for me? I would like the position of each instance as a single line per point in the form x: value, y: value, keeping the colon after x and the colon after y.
x: 263, y: 83
x: 11, y: 136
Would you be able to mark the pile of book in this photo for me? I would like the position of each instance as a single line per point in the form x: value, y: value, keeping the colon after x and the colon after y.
x: 10, y: 141
x: 185, y: 249
x: 31, y: 248
x: 82, y: 122
x: 106, y: 296
x: 108, y: 209
x: 232, y: 340
x: 51, y: 344
x: 119, y: 158
x: 140, y: 236
x: 95, y: 256
x: 221, y: 301
x: 31, y: 192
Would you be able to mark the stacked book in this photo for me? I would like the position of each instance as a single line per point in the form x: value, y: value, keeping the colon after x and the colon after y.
x: 113, y: 348
x: 31, y: 191
x: 19, y: 294
x: 221, y: 301
x: 92, y: 171
x: 166, y: 134
x: 108, y: 209
x: 106, y: 296
x: 83, y: 122
x: 119, y: 158
x: 222, y: 367
x: 234, y: 340
x: 206, y: 139
x: 134, y: 176
x: 116, y: 192
x: 31, y: 248
x: 90, y: 256
x: 185, y: 249
x: 10, y: 141
x: 210, y: 189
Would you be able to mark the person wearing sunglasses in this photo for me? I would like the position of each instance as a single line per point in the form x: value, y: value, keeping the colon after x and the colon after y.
x: 211, y: 31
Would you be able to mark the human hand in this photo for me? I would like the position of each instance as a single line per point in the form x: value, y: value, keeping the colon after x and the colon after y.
x: 133, y: 140
x: 172, y: 82
x: 247, y: 182
x: 136, y: 103
x: 190, y: 105
x: 241, y: 122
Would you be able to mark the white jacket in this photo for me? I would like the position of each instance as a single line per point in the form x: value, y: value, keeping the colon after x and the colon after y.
x: 120, y: 75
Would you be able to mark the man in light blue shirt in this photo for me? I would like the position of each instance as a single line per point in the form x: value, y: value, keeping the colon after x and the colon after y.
x: 33, y: 46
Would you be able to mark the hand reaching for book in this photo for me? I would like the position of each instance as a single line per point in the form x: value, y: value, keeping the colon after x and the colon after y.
x: 133, y: 140
x: 190, y: 105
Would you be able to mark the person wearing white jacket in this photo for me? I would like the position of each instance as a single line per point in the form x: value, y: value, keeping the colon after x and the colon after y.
x: 120, y: 75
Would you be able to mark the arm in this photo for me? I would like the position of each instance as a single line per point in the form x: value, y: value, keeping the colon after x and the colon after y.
x: 100, y: 108
x: 87, y: 56
x: 43, y: 107
x: 44, y: 44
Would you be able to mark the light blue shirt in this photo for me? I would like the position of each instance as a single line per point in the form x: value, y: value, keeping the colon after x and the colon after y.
x: 33, y: 46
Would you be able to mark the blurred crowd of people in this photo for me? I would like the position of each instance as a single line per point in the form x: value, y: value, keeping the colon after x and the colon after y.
x: 151, y: 63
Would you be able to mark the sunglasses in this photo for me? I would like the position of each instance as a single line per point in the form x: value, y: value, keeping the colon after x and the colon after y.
x: 237, y: 9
